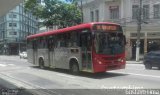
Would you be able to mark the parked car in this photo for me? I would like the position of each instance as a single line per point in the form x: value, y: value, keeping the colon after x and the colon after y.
x: 23, y: 55
x: 152, y: 59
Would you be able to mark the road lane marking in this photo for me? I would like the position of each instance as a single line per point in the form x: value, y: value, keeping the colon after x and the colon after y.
x: 131, y: 65
x: 11, y: 64
x: 136, y: 74
x: 135, y: 69
x: 3, y: 65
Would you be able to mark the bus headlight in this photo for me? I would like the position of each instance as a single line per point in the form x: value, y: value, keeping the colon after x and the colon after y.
x: 99, y: 62
x: 120, y: 60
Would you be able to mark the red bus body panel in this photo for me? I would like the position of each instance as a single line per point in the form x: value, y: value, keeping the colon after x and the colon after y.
x: 68, y: 29
x: 108, y: 62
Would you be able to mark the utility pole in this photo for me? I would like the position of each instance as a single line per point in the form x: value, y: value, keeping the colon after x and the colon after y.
x: 82, y: 11
x: 139, y: 22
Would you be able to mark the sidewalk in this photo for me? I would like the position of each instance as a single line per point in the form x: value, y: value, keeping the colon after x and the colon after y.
x: 134, y: 62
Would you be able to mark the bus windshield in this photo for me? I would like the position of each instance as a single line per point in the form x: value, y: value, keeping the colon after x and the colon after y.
x: 109, y: 43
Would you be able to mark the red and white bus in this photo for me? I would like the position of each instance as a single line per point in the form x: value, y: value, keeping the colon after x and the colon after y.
x: 91, y: 47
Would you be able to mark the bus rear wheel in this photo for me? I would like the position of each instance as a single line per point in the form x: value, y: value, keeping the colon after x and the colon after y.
x: 74, y: 68
x: 41, y: 63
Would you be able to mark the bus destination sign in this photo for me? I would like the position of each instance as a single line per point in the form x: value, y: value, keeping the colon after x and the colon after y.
x: 104, y: 27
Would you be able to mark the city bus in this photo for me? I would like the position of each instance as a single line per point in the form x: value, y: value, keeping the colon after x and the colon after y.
x: 91, y: 47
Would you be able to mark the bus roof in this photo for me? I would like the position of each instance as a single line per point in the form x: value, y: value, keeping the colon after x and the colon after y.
x: 81, y: 26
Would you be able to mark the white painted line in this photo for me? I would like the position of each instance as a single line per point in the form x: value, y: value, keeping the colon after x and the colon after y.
x: 135, y: 65
x: 28, y: 68
x: 11, y: 64
x: 134, y: 68
x: 62, y: 75
x: 3, y: 65
x: 153, y: 76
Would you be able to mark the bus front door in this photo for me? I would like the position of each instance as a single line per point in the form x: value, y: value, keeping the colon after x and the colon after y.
x: 51, y: 53
x: 86, y: 51
x: 51, y: 58
x: 35, y: 53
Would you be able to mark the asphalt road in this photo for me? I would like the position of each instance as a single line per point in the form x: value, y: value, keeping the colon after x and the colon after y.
x: 22, y: 74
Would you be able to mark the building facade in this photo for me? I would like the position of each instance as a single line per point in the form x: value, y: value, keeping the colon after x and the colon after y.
x: 125, y: 12
x: 14, y: 27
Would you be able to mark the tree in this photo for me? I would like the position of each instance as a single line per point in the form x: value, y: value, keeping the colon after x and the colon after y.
x: 34, y: 7
x: 55, y: 12
x: 73, y: 1
x: 76, y: 2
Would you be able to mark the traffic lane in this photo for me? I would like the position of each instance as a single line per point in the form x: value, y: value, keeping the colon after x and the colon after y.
x: 13, y: 61
x: 40, y: 90
x: 139, y: 69
x: 5, y: 84
x: 115, y: 79
x: 131, y: 66
x: 7, y: 88
x: 66, y: 77
x: 132, y: 81
x: 49, y: 79
x: 135, y: 66
x: 108, y: 78
x: 46, y: 79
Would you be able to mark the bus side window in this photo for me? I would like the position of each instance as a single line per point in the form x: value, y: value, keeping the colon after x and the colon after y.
x: 44, y: 42
x: 29, y: 44
x: 41, y: 42
x: 68, y: 39
x: 74, y: 39
x: 60, y: 40
x: 34, y: 43
x: 86, y: 40
x: 51, y: 43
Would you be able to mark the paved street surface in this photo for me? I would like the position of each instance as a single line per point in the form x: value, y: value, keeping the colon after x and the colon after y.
x: 24, y: 75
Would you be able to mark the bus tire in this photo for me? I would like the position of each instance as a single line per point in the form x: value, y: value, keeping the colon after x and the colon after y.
x: 41, y: 63
x: 74, y: 68
x: 148, y: 66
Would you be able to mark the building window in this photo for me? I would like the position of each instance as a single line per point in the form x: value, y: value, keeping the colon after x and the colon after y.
x: 97, y: 15
x: 114, y: 12
x: 156, y: 9
x: 145, y: 11
x: 92, y: 16
x: 12, y: 33
x: 12, y: 24
x: 135, y: 9
x: 12, y: 16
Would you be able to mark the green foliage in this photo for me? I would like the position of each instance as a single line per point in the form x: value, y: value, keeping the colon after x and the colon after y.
x: 55, y: 12
x: 72, y: 1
